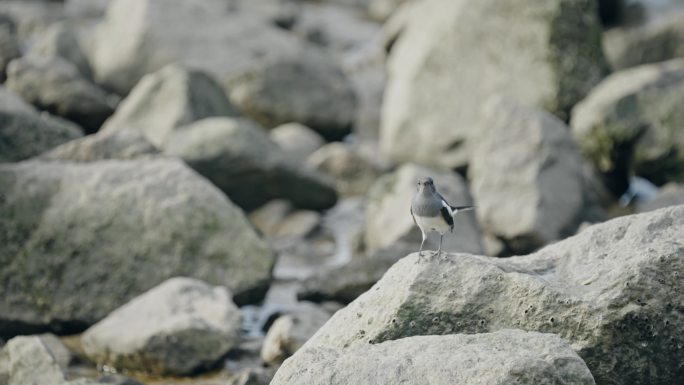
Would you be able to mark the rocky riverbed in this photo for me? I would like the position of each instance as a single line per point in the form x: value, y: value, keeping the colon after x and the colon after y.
x: 217, y: 192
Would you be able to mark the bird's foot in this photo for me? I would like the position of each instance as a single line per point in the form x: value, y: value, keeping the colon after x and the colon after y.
x: 420, y: 256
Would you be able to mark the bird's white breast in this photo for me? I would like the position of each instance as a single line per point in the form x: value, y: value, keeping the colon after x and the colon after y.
x: 432, y: 223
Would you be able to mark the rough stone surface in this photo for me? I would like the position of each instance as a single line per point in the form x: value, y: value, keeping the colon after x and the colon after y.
x: 532, y: 191
x: 388, y: 218
x: 659, y: 40
x: 634, y: 117
x: 141, y: 36
x: 175, y: 328
x: 672, y: 194
x: 60, y: 40
x: 539, y: 53
x: 309, y: 89
x: 55, y: 85
x: 167, y: 99
x: 238, y: 157
x: 352, y: 174
x: 9, y: 47
x: 11, y: 102
x: 290, y: 331
x: 81, y: 239
x: 296, y: 140
x: 103, y: 145
x: 503, y: 357
x: 611, y: 288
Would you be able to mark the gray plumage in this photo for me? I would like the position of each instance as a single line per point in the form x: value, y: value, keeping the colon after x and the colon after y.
x: 431, y: 212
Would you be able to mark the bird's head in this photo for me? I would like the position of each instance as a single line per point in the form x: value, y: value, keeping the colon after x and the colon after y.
x: 426, y: 185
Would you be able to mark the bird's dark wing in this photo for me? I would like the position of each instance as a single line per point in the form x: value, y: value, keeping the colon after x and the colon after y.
x: 446, y: 215
x: 414, y: 218
x: 462, y: 208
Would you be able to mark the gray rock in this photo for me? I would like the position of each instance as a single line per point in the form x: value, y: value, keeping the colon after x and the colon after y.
x: 167, y: 99
x: 298, y: 224
x: 55, y: 85
x: 633, y: 117
x: 383, y: 9
x: 178, y: 327
x: 238, y: 157
x: 310, y: 89
x: 504, y: 357
x: 252, y: 376
x: 611, y: 288
x: 81, y: 239
x: 659, y: 40
x: 290, y: 331
x: 138, y: 37
x: 103, y: 145
x: 11, y: 103
x: 268, y: 217
x: 388, y: 219
x: 526, y: 175
x: 524, y: 50
x: 352, y: 174
x: 296, y: 140
x: 9, y: 47
x: 60, y: 40
x: 672, y: 194
x: 25, y: 133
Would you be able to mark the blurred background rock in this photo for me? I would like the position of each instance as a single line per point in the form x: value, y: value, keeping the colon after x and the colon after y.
x: 266, y: 151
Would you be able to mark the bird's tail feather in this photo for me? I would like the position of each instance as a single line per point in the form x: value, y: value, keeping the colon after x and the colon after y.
x: 462, y: 208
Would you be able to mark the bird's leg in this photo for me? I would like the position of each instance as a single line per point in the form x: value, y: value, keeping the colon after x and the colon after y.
x: 420, y: 251
x: 439, y: 249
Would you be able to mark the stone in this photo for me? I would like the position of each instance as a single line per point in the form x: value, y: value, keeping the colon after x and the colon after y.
x: 309, y: 89
x: 237, y: 155
x: 177, y: 327
x: 631, y: 124
x: 56, y: 85
x: 82, y: 239
x: 138, y: 37
x: 24, y: 133
x: 526, y: 175
x: 523, y: 50
x: 167, y: 99
x: 659, y: 40
x: 296, y: 140
x: 268, y: 217
x: 103, y: 145
x: 672, y: 194
x: 611, y: 288
x: 352, y: 174
x: 290, y: 331
x: 503, y: 357
x: 388, y: 219
x: 298, y: 224
x: 9, y: 46
x: 384, y: 9
x: 60, y: 40
x: 12, y: 103
x: 252, y: 376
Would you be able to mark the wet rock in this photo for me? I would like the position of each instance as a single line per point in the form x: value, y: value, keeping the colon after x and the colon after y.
x: 238, y: 156
x: 672, y: 194
x: 631, y: 123
x: 103, y: 145
x: 310, y: 89
x: 619, y: 280
x: 296, y: 140
x: 167, y: 99
x: 526, y: 176
x: 24, y: 133
x: 60, y: 40
x: 138, y: 37
x: 81, y: 239
x: 55, y: 85
x: 656, y: 41
x: 352, y: 174
x: 519, y: 50
x: 9, y: 46
x: 507, y: 356
x: 388, y: 219
x: 290, y: 331
x: 178, y: 327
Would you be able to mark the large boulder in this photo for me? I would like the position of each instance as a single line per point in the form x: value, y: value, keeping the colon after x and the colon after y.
x: 24, y: 133
x: 388, y: 219
x: 81, y: 239
x: 632, y: 123
x: 60, y: 40
x: 164, y: 100
x: 526, y: 175
x: 141, y: 36
x: 239, y: 157
x: 612, y: 291
x: 455, y: 54
x: 178, y: 327
x: 103, y: 145
x: 296, y: 140
x: 504, y: 357
x: 309, y: 89
x: 56, y: 85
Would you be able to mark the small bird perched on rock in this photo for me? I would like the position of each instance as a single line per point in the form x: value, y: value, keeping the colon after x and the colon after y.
x: 431, y: 212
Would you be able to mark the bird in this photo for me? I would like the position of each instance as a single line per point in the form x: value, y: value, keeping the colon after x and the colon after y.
x: 431, y: 212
